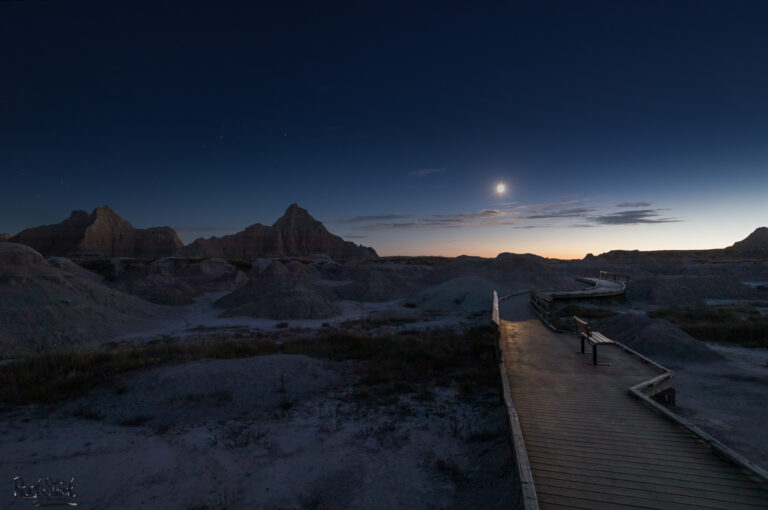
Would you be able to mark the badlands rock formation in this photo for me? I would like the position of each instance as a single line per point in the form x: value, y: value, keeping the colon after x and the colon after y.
x: 173, y: 281
x: 756, y: 242
x: 101, y: 233
x: 282, y: 291
x: 295, y: 233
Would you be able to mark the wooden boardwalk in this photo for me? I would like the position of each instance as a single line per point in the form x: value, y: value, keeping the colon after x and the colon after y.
x: 591, y: 445
x: 601, y: 287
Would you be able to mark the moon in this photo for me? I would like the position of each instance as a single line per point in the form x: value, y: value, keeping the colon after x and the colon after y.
x: 501, y: 188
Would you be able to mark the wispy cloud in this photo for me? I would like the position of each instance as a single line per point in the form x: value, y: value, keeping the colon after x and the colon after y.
x: 380, y: 217
x: 635, y: 205
x: 516, y: 216
x: 484, y: 213
x: 633, y: 217
x: 482, y: 218
x: 542, y: 206
x: 575, y: 212
x: 421, y: 172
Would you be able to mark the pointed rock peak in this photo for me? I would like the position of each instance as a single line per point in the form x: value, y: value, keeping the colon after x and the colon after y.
x: 757, y: 240
x: 104, y: 210
x: 296, y: 217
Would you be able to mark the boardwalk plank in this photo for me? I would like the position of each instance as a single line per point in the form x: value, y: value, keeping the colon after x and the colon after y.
x: 673, y: 487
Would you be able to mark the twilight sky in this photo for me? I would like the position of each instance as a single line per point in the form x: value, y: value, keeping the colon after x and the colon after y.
x: 614, y: 124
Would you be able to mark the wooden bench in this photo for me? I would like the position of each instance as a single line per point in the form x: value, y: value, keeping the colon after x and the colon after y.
x: 593, y: 337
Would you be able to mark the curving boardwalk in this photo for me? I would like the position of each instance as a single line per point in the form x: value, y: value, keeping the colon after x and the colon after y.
x: 591, y: 445
x: 600, y: 287
x: 543, y: 301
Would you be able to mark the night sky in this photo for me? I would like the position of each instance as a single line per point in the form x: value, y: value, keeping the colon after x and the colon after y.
x: 614, y: 124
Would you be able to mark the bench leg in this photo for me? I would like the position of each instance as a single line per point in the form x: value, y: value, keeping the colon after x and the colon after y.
x: 582, y: 343
x: 594, y: 354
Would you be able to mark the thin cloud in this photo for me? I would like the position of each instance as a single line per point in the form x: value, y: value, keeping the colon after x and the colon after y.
x: 380, y: 217
x: 426, y: 171
x: 543, y: 206
x: 391, y: 226
x: 519, y: 216
x: 482, y: 218
x: 634, y: 217
x: 576, y: 212
x: 635, y: 205
x: 484, y: 213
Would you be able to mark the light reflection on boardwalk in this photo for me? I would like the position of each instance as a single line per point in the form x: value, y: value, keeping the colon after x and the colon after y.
x: 591, y: 445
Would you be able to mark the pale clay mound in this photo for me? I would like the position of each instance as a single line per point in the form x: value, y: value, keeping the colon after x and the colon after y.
x: 48, y: 308
x: 18, y: 255
x: 70, y: 267
x: 657, y: 338
x: 727, y: 399
x: 174, y: 281
x: 281, y: 291
x: 297, y: 290
x: 467, y: 294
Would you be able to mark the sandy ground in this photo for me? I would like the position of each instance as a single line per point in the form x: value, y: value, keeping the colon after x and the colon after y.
x: 728, y: 398
x: 269, y: 432
x: 202, y: 316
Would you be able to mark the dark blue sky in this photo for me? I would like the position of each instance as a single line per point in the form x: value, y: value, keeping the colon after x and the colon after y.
x: 209, y: 116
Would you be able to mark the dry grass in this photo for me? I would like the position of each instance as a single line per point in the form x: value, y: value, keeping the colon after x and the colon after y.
x: 395, y: 364
x: 54, y: 376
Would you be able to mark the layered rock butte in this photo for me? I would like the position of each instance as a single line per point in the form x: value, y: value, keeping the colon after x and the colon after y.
x: 295, y: 233
x: 102, y: 234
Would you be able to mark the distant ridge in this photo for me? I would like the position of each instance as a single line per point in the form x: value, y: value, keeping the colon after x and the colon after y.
x: 102, y: 233
x: 756, y: 242
x: 295, y: 233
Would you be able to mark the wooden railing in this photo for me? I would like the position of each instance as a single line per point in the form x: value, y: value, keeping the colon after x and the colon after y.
x: 650, y: 392
x: 529, y: 499
x: 543, y: 307
x: 616, y: 277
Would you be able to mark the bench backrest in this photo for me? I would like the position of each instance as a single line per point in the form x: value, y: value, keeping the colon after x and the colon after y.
x: 582, y: 327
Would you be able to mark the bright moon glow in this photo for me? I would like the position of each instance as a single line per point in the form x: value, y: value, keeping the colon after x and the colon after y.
x: 501, y: 188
